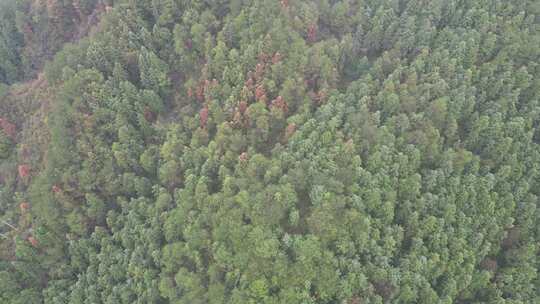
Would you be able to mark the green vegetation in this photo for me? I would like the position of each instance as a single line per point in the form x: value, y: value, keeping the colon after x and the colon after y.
x: 254, y: 151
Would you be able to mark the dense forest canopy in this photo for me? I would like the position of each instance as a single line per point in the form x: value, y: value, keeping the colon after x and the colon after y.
x: 265, y: 151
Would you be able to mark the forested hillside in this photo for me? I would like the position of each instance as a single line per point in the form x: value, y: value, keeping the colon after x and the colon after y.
x: 266, y: 151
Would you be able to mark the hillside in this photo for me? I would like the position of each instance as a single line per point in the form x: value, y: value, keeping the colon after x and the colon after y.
x: 250, y: 151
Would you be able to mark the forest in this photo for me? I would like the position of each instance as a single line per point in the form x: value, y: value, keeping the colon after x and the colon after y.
x: 267, y: 151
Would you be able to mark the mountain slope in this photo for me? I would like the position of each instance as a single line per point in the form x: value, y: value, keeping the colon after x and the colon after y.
x: 280, y: 152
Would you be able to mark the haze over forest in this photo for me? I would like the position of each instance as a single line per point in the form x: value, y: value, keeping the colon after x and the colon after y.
x: 266, y: 151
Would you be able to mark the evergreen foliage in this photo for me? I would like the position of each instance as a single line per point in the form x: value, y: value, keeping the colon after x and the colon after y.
x: 255, y: 151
